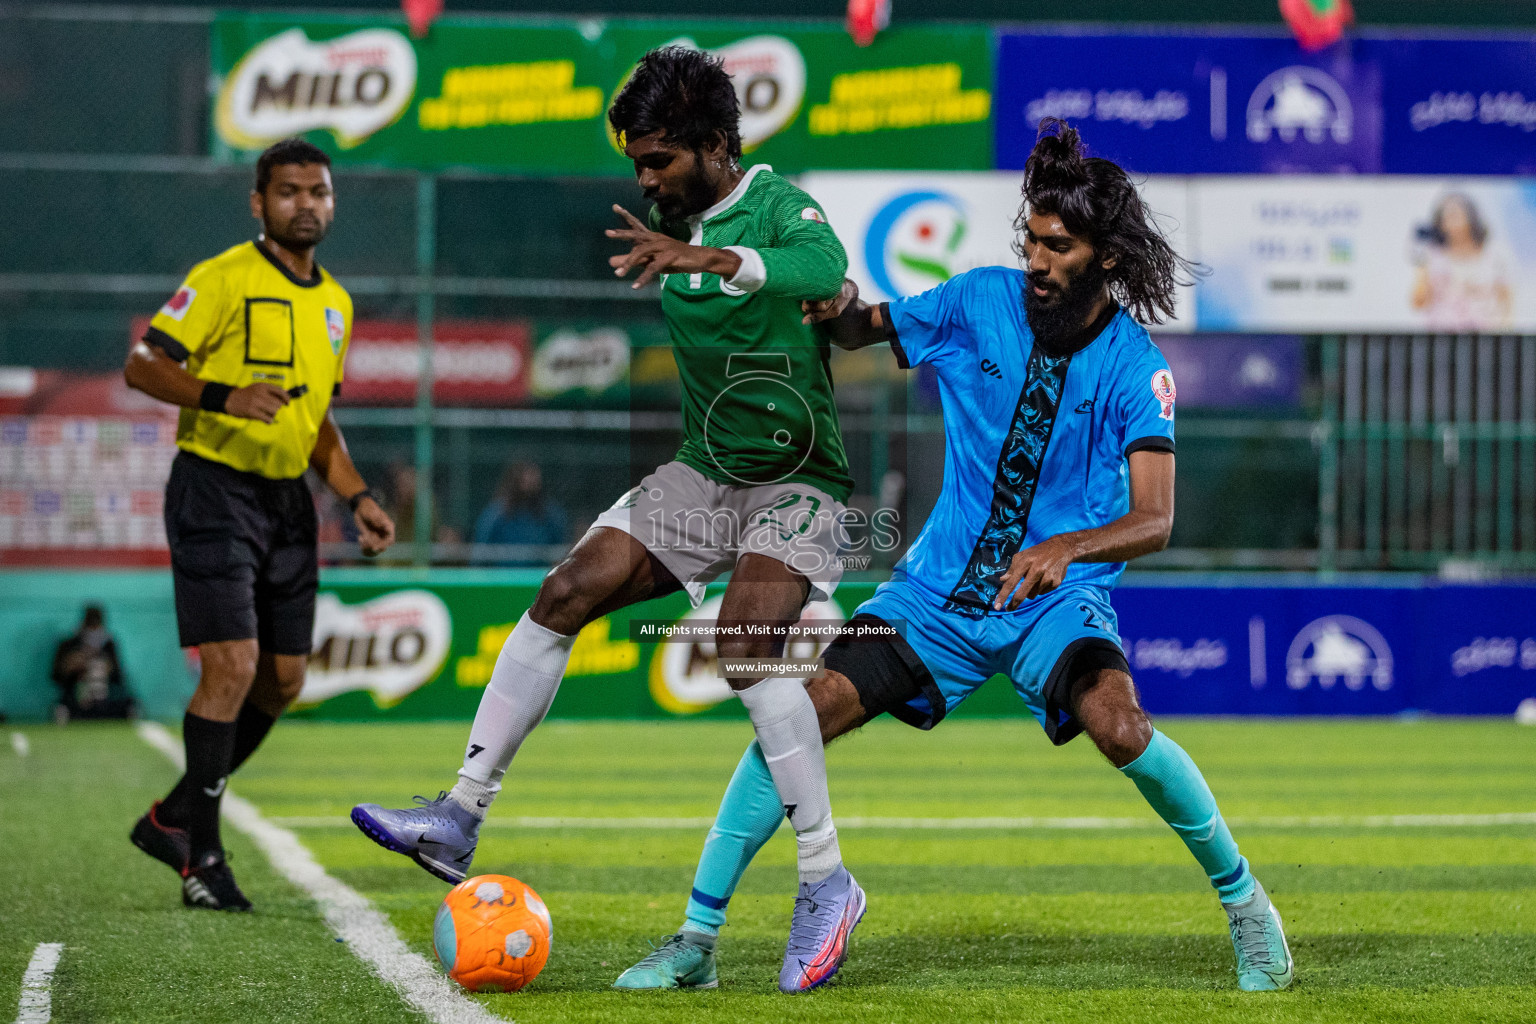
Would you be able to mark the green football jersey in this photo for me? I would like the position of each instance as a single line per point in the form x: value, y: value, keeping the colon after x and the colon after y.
x: 757, y: 387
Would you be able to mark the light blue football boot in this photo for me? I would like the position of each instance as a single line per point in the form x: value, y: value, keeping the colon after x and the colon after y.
x: 826, y: 913
x: 438, y: 834
x: 682, y: 961
x: 1258, y: 937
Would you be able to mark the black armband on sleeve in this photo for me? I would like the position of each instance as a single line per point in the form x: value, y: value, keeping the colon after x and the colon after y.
x: 1154, y: 443
x: 214, y: 396
x: 167, y: 344
x: 890, y: 336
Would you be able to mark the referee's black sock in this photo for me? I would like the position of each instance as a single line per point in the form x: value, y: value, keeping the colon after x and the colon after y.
x: 251, y: 727
x: 194, y: 803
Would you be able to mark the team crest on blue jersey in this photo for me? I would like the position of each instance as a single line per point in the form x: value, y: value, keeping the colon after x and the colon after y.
x: 1165, y: 393
x: 336, y: 326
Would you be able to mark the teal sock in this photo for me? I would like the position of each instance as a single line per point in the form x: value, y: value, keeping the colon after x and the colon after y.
x: 1177, y: 791
x: 749, y: 815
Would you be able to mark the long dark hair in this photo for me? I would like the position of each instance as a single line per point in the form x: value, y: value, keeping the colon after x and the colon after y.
x: 682, y: 93
x: 1097, y: 200
x: 1475, y: 223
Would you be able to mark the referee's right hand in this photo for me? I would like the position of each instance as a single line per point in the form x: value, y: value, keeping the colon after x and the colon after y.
x: 259, y: 401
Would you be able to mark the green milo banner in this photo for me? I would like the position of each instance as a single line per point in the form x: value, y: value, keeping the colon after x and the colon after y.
x: 401, y: 644
x: 386, y: 647
x: 532, y: 96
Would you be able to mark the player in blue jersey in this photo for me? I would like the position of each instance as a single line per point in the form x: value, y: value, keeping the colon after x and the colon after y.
x: 1058, y: 423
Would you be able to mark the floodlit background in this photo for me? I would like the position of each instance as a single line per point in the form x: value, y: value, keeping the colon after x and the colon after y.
x: 1356, y: 525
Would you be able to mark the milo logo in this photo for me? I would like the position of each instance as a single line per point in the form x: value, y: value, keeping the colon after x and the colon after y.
x: 352, y: 85
x: 389, y: 646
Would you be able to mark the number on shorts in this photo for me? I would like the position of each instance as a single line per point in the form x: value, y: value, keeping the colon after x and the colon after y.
x: 1090, y: 620
x: 791, y: 499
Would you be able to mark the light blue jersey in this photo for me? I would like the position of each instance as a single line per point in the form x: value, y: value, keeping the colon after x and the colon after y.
x: 1034, y: 446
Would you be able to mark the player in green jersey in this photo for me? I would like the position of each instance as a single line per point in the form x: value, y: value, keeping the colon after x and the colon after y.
x: 757, y: 489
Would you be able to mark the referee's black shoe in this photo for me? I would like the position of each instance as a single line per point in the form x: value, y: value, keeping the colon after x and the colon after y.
x: 211, y: 885
x: 166, y: 843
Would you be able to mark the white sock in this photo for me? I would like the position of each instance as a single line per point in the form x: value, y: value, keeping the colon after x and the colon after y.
x: 787, y: 730
x: 521, y: 689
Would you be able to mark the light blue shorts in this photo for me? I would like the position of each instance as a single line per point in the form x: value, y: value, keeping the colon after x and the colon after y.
x: 1032, y: 646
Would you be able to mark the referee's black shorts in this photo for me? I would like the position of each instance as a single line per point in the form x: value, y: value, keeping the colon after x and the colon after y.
x: 242, y: 556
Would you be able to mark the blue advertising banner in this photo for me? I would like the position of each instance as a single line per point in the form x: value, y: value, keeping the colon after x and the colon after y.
x: 1310, y: 650
x: 1457, y: 106
x: 1232, y: 371
x: 1211, y: 104
x: 1193, y: 104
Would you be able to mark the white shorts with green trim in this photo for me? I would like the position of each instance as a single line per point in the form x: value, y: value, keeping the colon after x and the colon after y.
x: 698, y: 528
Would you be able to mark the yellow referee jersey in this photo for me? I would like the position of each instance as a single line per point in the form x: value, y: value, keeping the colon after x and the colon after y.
x: 243, y: 317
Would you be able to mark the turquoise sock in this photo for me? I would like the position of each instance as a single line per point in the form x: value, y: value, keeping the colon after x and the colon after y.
x: 1177, y: 791
x: 749, y: 815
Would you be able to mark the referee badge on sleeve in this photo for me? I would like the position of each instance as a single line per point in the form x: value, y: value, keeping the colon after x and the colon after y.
x: 336, y: 326
x: 177, y: 305
x: 1165, y: 393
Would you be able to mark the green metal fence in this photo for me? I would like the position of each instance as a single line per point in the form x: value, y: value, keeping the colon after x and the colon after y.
x: 1427, y: 452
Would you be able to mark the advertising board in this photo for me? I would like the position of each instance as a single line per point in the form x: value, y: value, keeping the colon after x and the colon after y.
x: 533, y: 95
x: 1216, y: 103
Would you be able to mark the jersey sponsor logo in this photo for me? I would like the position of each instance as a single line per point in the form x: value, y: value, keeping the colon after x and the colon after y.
x: 1339, y: 648
x: 811, y: 213
x: 336, y: 327
x: 1086, y: 405
x: 990, y: 368
x: 176, y: 307
x: 1165, y: 393
x: 286, y: 85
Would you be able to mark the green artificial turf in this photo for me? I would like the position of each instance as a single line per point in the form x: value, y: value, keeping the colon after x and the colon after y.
x: 1424, y: 923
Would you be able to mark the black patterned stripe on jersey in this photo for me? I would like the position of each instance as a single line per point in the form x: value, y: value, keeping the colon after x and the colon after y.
x: 1013, y: 488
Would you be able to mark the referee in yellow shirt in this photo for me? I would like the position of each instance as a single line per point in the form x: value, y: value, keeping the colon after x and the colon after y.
x: 251, y: 348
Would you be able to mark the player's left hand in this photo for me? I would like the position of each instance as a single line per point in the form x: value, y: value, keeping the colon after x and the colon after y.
x: 375, y: 530
x: 1034, y: 571
x: 654, y: 253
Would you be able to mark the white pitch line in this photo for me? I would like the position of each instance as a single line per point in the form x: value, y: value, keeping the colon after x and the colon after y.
x: 21, y: 744
x: 985, y: 824
x: 36, y: 1003
x: 349, y: 914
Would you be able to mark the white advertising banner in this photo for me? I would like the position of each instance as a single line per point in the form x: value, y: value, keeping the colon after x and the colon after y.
x: 1283, y: 254
x: 906, y: 233
x: 1366, y: 254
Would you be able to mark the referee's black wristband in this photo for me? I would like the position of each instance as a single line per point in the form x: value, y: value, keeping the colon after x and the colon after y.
x: 357, y: 499
x: 214, y: 396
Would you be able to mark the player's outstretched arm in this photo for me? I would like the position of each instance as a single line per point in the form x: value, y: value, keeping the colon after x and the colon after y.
x: 1141, y: 531
x: 375, y: 530
x: 848, y: 321
x: 150, y: 370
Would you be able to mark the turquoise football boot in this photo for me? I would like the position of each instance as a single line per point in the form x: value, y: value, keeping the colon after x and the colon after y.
x: 679, y: 962
x: 1258, y: 937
